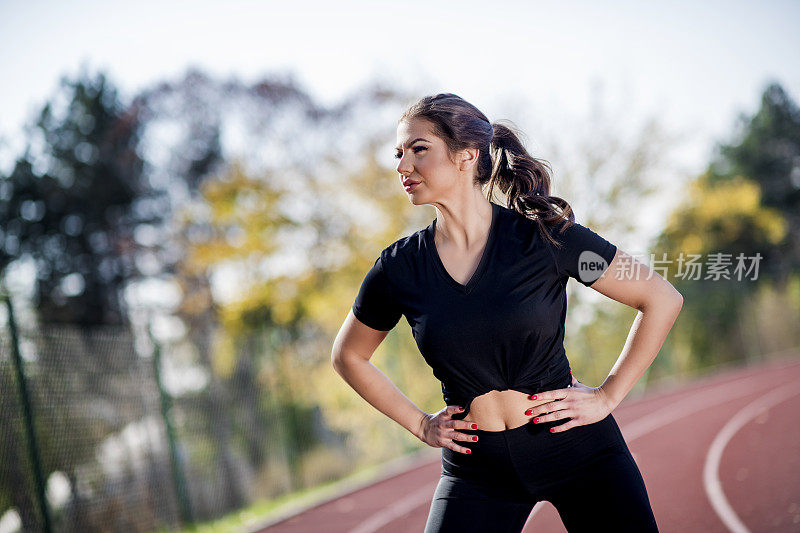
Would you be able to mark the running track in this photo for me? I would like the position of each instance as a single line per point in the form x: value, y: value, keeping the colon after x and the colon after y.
x: 720, y: 453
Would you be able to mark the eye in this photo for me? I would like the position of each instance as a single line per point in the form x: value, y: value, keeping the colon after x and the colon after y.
x: 416, y: 149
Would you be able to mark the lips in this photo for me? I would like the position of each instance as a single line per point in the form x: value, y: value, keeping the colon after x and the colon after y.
x: 406, y: 183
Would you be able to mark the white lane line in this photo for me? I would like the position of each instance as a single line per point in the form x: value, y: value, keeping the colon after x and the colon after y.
x: 711, y: 480
x: 697, y: 401
x: 396, y: 510
x: 693, y: 403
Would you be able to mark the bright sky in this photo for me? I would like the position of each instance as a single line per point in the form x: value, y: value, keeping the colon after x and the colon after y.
x: 696, y: 64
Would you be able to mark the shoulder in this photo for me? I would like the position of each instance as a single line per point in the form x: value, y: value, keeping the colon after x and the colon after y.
x: 564, y: 232
x: 514, y: 219
x: 518, y: 228
x: 570, y: 232
x: 404, y: 252
x: 528, y: 233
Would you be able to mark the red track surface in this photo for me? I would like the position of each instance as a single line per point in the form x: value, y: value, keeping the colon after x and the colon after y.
x: 721, y: 453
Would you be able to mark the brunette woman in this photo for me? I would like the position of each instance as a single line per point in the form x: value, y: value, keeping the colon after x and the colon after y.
x: 483, y: 288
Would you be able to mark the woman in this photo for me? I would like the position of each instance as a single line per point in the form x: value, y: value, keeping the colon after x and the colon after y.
x: 483, y: 288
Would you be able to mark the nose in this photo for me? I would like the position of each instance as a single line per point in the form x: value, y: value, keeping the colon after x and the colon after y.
x: 403, y: 168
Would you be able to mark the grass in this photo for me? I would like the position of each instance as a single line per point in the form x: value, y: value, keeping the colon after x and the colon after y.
x: 262, y: 512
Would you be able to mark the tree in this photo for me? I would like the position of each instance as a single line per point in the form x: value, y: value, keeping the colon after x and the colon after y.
x: 70, y: 204
x: 747, y: 202
x: 768, y: 153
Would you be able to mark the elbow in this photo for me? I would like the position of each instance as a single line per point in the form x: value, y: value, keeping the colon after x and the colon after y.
x: 337, y: 359
x: 339, y: 350
x: 336, y: 354
x: 338, y: 363
x: 340, y: 359
x: 676, y: 300
x: 673, y: 301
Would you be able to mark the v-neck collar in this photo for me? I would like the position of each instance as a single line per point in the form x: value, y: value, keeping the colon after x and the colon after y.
x: 482, y: 264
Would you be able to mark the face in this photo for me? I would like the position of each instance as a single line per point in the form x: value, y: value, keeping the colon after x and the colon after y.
x: 424, y: 163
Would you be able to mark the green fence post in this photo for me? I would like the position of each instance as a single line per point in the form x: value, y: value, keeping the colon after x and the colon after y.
x: 178, y: 478
x: 30, y: 431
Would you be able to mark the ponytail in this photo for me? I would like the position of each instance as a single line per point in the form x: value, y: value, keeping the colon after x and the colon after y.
x: 525, y: 181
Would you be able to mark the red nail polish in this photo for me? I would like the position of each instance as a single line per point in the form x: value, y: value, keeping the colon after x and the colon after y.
x: 474, y: 426
x: 552, y: 430
x: 535, y: 420
x: 528, y: 412
x: 469, y: 451
x: 474, y: 438
x: 533, y: 397
x: 460, y: 408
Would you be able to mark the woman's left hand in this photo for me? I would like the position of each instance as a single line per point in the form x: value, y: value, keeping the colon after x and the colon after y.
x: 581, y: 404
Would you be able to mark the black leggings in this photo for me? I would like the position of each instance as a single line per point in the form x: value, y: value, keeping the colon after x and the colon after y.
x: 586, y: 472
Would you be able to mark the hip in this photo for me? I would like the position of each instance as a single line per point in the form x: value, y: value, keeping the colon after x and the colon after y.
x: 531, y: 449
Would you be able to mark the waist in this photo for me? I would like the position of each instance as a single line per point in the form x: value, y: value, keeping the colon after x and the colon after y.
x: 502, y: 409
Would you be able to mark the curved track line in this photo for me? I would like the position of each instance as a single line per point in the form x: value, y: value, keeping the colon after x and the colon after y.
x: 693, y: 403
x: 711, y: 480
x: 396, y: 510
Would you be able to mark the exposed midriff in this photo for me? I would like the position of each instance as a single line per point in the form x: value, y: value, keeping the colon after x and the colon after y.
x: 501, y: 410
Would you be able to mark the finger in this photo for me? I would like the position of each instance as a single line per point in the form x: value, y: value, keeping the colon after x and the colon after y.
x: 460, y: 449
x: 555, y: 415
x: 553, y: 395
x: 564, y: 427
x: 546, y: 408
x: 453, y: 409
x: 459, y: 424
x: 463, y: 436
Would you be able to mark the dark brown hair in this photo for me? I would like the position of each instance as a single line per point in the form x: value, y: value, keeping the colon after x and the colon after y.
x: 503, y: 162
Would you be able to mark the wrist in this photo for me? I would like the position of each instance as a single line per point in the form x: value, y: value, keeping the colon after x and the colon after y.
x: 610, y: 401
x: 419, y: 429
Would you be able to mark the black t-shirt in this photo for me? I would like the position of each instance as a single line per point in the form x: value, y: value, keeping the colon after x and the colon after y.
x: 504, y: 329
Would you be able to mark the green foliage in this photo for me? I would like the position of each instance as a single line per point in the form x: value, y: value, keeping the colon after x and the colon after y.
x: 745, y: 203
x: 69, y: 203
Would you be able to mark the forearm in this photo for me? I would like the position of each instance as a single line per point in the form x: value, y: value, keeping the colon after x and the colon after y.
x: 377, y: 389
x: 647, y: 335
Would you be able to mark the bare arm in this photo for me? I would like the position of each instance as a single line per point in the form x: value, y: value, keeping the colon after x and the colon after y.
x: 353, y: 347
x: 659, y: 304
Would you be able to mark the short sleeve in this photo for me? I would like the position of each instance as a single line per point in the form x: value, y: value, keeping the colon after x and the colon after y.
x: 584, y: 255
x: 374, y: 304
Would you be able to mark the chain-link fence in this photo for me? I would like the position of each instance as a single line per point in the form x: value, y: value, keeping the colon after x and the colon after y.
x: 101, y: 431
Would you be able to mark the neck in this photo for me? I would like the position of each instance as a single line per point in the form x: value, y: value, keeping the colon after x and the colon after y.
x: 463, y: 222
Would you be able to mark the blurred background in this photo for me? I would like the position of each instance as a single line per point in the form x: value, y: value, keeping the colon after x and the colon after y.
x: 192, y: 192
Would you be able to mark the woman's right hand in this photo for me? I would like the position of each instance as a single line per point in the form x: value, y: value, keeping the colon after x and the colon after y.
x: 439, y: 430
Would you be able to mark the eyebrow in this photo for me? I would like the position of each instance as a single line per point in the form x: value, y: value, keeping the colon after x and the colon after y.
x: 409, y: 143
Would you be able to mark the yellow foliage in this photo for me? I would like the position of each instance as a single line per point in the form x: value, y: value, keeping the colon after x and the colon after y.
x: 718, y: 213
x: 223, y: 355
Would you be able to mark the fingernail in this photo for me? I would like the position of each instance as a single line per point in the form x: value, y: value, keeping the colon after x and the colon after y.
x: 474, y: 437
x: 552, y: 430
x: 533, y: 397
x: 528, y: 412
x: 469, y: 451
x: 535, y: 420
x: 474, y: 426
x: 460, y: 408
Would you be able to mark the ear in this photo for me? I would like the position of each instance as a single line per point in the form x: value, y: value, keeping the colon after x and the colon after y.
x: 468, y: 158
